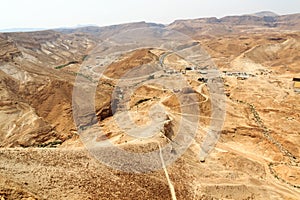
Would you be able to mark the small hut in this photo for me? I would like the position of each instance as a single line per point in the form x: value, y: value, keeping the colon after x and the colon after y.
x: 296, y: 84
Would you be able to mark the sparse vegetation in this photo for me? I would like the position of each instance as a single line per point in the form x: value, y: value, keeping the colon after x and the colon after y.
x: 65, y: 65
x: 84, y: 57
x: 273, y: 172
x: 151, y: 77
x: 266, y: 133
x: 142, y: 101
x: 53, y: 144
x: 82, y: 75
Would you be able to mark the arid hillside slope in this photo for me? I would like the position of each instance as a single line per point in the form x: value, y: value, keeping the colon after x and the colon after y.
x: 256, y: 157
x: 202, y: 27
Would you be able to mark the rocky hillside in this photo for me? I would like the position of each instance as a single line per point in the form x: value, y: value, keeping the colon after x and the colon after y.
x: 236, y: 24
x: 257, y: 154
x: 36, y: 95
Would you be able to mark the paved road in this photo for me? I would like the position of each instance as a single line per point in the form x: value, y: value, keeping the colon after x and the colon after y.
x: 162, y: 59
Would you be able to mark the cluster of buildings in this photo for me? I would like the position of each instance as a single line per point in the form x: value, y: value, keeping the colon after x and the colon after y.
x: 239, y: 75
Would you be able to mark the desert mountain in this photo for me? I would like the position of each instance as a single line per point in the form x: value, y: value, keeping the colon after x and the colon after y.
x: 236, y: 24
x: 265, y: 14
x: 256, y: 157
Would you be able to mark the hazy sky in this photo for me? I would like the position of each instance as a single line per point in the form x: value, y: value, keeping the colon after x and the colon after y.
x: 63, y: 13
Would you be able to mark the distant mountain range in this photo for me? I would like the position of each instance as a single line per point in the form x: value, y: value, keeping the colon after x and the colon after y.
x: 265, y: 14
x: 195, y: 28
x: 10, y: 30
x: 267, y: 17
x: 257, y: 22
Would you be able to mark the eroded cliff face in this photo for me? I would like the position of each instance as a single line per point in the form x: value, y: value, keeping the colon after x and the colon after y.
x: 231, y: 25
x: 8, y: 49
x: 36, y: 95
